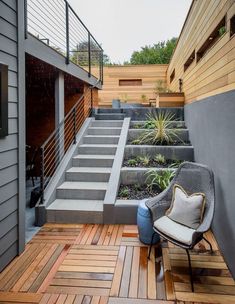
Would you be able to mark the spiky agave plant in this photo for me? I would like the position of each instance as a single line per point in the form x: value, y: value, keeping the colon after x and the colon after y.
x: 162, y: 133
x: 160, y: 179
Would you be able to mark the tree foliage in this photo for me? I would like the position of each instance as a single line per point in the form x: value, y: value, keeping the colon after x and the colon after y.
x: 159, y: 53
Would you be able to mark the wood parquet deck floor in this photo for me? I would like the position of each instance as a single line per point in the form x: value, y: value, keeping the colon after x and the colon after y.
x: 106, y: 264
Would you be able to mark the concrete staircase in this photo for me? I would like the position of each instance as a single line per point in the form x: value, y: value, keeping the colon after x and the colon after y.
x: 80, y: 197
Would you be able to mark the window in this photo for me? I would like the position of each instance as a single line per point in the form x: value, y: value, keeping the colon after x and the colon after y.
x: 219, y: 31
x: 232, y: 26
x: 189, y: 61
x: 3, y: 100
x: 130, y: 82
x: 172, y: 76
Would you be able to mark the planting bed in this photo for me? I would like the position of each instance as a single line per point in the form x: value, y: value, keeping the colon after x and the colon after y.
x: 151, y: 164
x: 137, y: 192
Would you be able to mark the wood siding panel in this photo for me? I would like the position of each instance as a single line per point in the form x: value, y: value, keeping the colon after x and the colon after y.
x: 9, y: 144
x: 214, y: 73
x: 148, y: 75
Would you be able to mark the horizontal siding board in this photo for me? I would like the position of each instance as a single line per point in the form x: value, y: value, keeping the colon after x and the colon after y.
x: 8, y: 239
x: 8, y: 45
x: 8, y: 13
x: 12, y: 94
x: 8, y: 223
x: 12, y: 79
x: 7, y: 29
x: 10, y: 60
x: 8, y: 255
x: 12, y: 110
x: 13, y: 125
x: 8, y: 158
x: 8, y: 207
x: 8, y: 174
x: 8, y: 191
x: 8, y: 143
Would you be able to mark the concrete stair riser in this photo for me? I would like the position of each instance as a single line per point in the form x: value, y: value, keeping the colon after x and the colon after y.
x: 97, y: 149
x: 75, y: 217
x: 107, y: 123
x: 104, y: 131
x: 92, y: 162
x: 181, y: 135
x: 101, y: 139
x: 109, y: 116
x: 86, y: 194
x: 87, y: 176
x: 109, y: 110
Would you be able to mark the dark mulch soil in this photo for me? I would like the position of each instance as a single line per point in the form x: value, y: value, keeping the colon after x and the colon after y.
x: 176, y: 143
x: 152, y: 164
x: 137, y: 192
x: 145, y: 128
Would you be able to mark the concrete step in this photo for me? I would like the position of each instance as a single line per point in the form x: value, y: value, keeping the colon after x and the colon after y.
x: 75, y: 211
x: 101, y: 139
x: 107, y: 123
x: 97, y: 149
x: 93, y: 160
x: 88, y: 174
x: 109, y: 110
x: 82, y: 190
x: 104, y: 131
x: 109, y: 116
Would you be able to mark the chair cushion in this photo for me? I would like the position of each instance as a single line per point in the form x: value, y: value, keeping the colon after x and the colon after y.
x: 174, y: 230
x: 186, y: 210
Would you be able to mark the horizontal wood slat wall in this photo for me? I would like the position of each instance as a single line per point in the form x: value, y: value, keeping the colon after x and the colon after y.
x: 215, y: 72
x: 149, y: 74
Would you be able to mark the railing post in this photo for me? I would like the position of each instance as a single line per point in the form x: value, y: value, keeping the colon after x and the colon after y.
x: 89, y: 53
x: 42, y: 177
x: 25, y: 19
x: 74, y: 126
x: 102, y: 67
x: 67, y: 31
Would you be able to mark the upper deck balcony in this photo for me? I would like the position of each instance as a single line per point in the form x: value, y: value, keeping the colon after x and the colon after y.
x: 55, y: 34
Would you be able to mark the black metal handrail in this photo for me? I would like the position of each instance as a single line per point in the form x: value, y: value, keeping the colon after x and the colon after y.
x: 55, y: 147
x: 57, y: 24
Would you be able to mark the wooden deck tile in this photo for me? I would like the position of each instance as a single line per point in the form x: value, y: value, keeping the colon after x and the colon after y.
x: 101, y: 264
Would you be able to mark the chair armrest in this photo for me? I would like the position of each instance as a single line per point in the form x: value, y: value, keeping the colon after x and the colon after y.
x: 158, y: 205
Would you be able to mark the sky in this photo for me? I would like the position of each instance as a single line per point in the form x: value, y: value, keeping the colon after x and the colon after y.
x: 124, y: 26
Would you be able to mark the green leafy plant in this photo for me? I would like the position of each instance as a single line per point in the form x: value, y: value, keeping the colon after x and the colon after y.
x: 160, y: 159
x: 222, y: 31
x: 143, y: 98
x: 124, y: 192
x: 162, y: 132
x: 137, y: 187
x: 132, y: 162
x: 136, y: 142
x: 144, y: 160
x: 160, y: 179
x: 176, y: 163
x: 137, y: 126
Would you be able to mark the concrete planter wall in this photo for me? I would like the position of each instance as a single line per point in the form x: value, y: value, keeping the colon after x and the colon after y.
x: 136, y: 133
x: 170, y: 152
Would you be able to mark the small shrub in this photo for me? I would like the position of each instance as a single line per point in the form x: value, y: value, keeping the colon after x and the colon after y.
x: 124, y: 192
x: 144, y: 160
x: 137, y: 187
x: 132, y: 162
x: 136, y: 142
x: 160, y: 159
x: 160, y: 179
x: 162, y: 133
x: 137, y: 126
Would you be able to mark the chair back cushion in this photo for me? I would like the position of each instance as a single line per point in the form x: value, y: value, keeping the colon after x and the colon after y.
x: 186, y: 209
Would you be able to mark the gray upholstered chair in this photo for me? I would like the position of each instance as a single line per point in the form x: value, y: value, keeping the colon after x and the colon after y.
x: 193, y: 178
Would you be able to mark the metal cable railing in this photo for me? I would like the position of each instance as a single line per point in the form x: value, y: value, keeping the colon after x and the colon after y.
x: 64, y: 136
x: 56, y: 24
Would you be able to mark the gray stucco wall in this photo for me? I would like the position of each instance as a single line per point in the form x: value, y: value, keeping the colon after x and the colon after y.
x: 10, y: 242
x: 211, y: 124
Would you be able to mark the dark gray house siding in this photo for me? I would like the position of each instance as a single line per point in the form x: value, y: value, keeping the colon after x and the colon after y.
x: 11, y: 241
x: 211, y: 124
